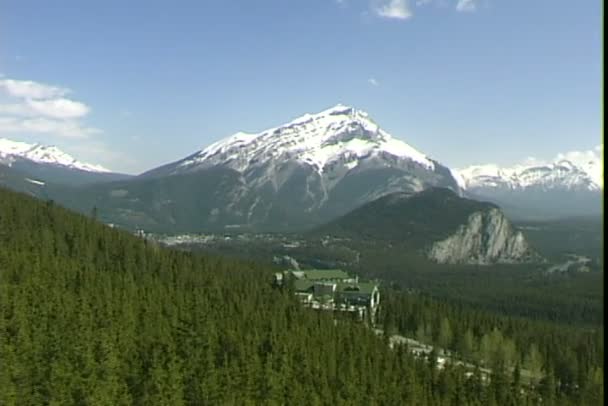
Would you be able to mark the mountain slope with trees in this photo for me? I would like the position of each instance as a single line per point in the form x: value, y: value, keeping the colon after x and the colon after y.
x: 439, y: 224
x: 93, y: 315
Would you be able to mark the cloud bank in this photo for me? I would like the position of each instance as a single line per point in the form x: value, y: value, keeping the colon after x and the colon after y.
x: 34, y: 107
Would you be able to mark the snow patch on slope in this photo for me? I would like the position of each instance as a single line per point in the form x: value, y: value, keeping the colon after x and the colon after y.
x: 35, y: 182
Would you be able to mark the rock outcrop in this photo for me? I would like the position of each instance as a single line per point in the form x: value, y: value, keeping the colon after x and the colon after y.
x: 486, y: 238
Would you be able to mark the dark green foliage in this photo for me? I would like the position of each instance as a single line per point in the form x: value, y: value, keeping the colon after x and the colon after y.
x: 415, y: 220
x: 92, y: 315
x: 526, y: 358
x: 524, y: 290
x: 516, y: 290
x: 577, y: 235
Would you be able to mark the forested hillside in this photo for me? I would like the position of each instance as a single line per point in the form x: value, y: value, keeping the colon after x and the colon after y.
x: 417, y: 219
x: 93, y: 315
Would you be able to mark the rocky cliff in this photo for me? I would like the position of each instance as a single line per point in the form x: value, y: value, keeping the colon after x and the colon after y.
x: 487, y: 237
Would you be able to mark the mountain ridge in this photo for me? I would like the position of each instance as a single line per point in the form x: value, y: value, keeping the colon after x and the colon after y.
x: 43, y: 154
x: 317, y: 139
x: 568, y: 186
x: 49, y: 164
x: 563, y: 172
x: 296, y: 176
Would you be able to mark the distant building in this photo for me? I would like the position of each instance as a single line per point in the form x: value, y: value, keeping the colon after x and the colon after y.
x: 333, y: 289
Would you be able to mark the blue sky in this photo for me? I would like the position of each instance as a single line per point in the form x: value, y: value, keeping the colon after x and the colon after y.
x: 135, y: 84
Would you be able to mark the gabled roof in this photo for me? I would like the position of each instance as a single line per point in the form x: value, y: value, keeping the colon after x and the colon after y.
x: 302, y: 285
x: 361, y: 288
x: 320, y: 274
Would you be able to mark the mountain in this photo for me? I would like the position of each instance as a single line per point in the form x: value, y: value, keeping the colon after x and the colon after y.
x: 294, y: 177
x: 20, y: 182
x: 560, y: 189
x: 211, y: 200
x: 50, y: 164
x: 437, y: 222
x: 309, y: 170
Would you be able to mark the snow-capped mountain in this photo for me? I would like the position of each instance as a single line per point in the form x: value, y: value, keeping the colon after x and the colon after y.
x: 49, y: 164
x: 571, y: 185
x: 340, y: 134
x: 562, y: 174
x: 315, y: 167
x: 11, y: 151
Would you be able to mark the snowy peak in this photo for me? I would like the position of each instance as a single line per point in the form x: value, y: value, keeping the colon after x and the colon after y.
x: 561, y: 174
x: 338, y: 134
x: 10, y: 151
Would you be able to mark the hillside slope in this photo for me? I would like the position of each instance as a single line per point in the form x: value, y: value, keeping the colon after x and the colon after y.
x: 92, y: 315
x: 438, y: 223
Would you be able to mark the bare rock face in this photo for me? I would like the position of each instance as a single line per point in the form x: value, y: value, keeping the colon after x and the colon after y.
x: 486, y: 238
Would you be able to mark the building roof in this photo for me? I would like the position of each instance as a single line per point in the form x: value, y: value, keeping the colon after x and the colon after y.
x: 320, y: 274
x: 302, y: 285
x: 361, y: 288
x: 346, y: 289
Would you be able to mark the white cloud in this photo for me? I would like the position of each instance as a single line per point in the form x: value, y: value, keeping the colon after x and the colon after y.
x: 591, y: 161
x: 394, y: 9
x: 62, y: 128
x: 35, y: 107
x: 15, y: 109
x: 31, y: 90
x: 59, y: 108
x: 583, y: 157
x: 373, y: 82
x: 579, y: 158
x: 53, y: 108
x: 466, y: 5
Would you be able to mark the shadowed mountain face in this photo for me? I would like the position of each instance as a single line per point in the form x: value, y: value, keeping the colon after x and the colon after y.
x: 426, y: 216
x: 438, y: 223
x: 64, y: 175
x: 20, y: 182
